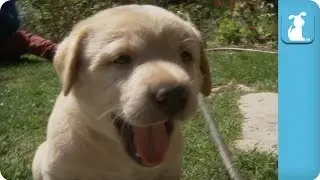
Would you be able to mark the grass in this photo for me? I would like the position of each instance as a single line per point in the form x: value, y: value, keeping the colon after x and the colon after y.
x: 28, y: 90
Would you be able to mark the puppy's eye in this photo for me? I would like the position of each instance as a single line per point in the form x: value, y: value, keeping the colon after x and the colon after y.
x: 123, y: 59
x: 186, y: 57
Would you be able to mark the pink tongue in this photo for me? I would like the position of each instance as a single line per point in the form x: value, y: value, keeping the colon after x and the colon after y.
x: 151, y: 143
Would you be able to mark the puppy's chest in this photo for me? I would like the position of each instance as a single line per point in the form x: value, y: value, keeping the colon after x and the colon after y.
x: 108, y: 166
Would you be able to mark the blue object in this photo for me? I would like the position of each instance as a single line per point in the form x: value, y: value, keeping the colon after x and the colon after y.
x: 299, y: 90
x: 9, y: 18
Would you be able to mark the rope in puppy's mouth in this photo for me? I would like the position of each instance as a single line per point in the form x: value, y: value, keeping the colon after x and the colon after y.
x: 224, y: 152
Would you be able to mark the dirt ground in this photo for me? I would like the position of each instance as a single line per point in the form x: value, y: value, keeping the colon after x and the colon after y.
x: 260, y: 126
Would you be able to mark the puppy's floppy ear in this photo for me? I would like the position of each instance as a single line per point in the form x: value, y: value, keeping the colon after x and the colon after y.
x: 205, y: 70
x: 66, y: 60
x: 204, y: 65
x: 291, y: 17
x: 303, y: 14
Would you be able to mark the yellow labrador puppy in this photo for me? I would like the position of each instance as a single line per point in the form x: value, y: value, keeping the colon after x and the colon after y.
x: 130, y: 76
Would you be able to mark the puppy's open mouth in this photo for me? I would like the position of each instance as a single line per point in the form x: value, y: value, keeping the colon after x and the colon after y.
x: 145, y: 145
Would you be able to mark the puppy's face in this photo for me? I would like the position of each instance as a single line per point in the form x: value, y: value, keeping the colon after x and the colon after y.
x: 136, y: 72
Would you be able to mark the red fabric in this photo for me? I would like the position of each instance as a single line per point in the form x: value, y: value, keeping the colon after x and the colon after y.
x: 23, y: 42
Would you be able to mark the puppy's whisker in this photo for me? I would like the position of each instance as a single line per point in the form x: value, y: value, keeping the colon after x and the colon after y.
x: 150, y: 124
x: 119, y: 114
x: 107, y: 111
x: 188, y: 39
x: 138, y: 116
x: 116, y: 117
x: 139, y: 113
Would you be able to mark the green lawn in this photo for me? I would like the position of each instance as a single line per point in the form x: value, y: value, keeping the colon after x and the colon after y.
x: 28, y: 91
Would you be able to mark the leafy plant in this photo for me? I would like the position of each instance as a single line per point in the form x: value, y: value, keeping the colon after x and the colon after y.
x: 252, y: 22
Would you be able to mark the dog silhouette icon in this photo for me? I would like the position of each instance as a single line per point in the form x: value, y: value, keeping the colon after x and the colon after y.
x: 1, y: 177
x: 295, y: 30
x: 318, y: 177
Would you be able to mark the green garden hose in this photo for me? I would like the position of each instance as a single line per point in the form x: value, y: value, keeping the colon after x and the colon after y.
x: 224, y: 152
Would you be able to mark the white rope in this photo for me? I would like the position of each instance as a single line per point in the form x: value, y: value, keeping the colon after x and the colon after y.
x: 216, y: 137
x: 240, y: 49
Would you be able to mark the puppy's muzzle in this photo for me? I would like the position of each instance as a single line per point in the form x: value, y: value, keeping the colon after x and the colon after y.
x: 148, y: 145
x: 169, y: 98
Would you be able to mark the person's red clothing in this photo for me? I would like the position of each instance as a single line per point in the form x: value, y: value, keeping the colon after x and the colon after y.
x: 22, y: 42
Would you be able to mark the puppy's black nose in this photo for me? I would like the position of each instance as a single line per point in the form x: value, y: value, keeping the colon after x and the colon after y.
x: 171, y: 99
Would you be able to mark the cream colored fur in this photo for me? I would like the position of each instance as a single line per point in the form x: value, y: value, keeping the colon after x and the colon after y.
x: 82, y: 142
